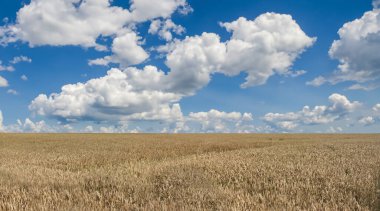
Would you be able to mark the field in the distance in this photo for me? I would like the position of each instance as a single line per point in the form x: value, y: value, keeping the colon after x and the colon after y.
x: 189, y: 172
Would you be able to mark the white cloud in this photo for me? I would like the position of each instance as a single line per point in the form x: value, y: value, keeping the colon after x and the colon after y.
x: 28, y: 126
x: 70, y: 22
x: 374, y: 116
x: 316, y: 82
x: 120, y: 95
x: 10, y: 68
x: 3, y: 82
x: 81, y: 23
x: 6, y: 68
x: 126, y: 51
x: 19, y: 59
x: 134, y: 95
x: 218, y: 121
x: 369, y: 120
x: 143, y: 10
x: 263, y: 47
x: 296, y: 73
x: 7, y: 35
x: 339, y: 107
x: 38, y: 127
x: 24, y: 78
x: 357, y: 50
x: 165, y: 29
x: 192, y: 60
x: 120, y: 127
x: 362, y: 87
x: 12, y: 92
x: 335, y: 129
x: 376, y: 108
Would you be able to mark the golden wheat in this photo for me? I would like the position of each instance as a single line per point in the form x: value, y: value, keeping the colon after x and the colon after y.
x: 189, y: 172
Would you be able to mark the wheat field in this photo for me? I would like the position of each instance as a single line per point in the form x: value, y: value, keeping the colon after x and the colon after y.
x: 189, y: 172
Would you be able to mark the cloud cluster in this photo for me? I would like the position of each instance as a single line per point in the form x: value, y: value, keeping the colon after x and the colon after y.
x: 143, y: 10
x: 29, y: 126
x: 69, y: 22
x: 262, y: 47
x: 12, y: 92
x: 165, y: 29
x: 357, y: 51
x: 10, y: 67
x: 19, y: 59
x: 126, y: 51
x: 373, y: 117
x: 83, y: 23
x: 339, y: 107
x: 131, y: 95
x: 3, y: 81
x: 128, y: 94
x: 215, y: 121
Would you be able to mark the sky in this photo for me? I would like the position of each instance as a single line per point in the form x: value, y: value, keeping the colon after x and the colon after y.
x: 190, y: 66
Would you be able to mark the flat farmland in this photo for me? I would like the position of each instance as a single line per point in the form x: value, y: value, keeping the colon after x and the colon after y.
x: 189, y: 172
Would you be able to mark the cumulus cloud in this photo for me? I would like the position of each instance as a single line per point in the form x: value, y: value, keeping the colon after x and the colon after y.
x: 19, y: 59
x: 335, y: 129
x: 339, y: 107
x: 362, y: 87
x: 71, y: 22
x: 215, y: 121
x: 369, y: 120
x: 134, y: 95
x: 373, y: 118
x: 128, y: 94
x: 9, y: 68
x: 77, y: 22
x: 142, y: 10
x: 165, y: 29
x: 357, y: 51
x: 126, y: 51
x: 30, y: 126
x: 316, y: 82
x: 26, y: 126
x: 24, y: 78
x: 12, y: 92
x: 192, y: 60
x: 82, y: 23
x: 376, y: 108
x: 3, y: 82
x: 263, y: 47
x: 121, y: 127
x: 38, y: 127
x: 296, y: 73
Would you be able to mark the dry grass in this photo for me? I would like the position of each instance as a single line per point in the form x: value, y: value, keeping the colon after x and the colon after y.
x: 189, y: 172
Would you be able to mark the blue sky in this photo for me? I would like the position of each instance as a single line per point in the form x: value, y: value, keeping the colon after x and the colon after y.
x: 178, y: 66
